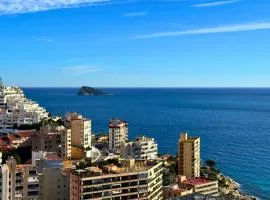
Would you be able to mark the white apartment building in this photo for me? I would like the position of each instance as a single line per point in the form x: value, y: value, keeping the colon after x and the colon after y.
x: 143, y: 147
x: 118, y: 134
x: 16, y: 109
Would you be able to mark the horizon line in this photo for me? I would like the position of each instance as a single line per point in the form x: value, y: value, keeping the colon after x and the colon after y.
x: 171, y: 87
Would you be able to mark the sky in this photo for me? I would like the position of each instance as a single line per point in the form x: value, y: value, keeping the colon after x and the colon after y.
x: 135, y: 43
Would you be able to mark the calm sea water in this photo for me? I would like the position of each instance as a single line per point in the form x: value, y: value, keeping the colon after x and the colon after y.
x: 234, y: 124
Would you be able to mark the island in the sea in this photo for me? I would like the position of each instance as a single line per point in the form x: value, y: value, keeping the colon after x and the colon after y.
x: 89, y: 91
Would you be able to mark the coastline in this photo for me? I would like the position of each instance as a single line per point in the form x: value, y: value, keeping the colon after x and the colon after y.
x: 242, y: 192
x: 228, y: 188
x: 233, y: 189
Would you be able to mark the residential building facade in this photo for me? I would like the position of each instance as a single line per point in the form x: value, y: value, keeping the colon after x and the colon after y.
x: 54, y: 179
x: 118, y: 134
x: 81, y: 135
x: 189, y: 156
x: 17, y: 110
x: 142, y: 148
x: 49, y: 139
x: 66, y: 144
x: 8, y: 179
x: 27, y: 183
x: 140, y: 180
x: 53, y: 139
x: 145, y: 148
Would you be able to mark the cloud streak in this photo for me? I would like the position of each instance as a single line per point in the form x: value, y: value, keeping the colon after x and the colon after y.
x: 8, y: 7
x: 135, y: 14
x: 41, y: 39
x: 26, y: 6
x: 215, y: 3
x: 79, y: 70
x: 212, y: 30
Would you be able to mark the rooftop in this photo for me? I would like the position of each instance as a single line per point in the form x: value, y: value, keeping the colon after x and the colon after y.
x: 175, y: 188
x: 25, y: 133
x: 185, y: 137
x: 197, y: 181
x: 14, y: 137
x: 144, y: 139
x: 127, y: 166
x: 6, y: 141
x: 5, y: 148
x: 117, y: 122
x: 203, y: 197
x: 52, y: 156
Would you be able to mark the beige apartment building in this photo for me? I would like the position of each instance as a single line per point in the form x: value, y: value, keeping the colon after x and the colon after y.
x: 118, y: 134
x: 8, y: 179
x: 54, y: 178
x: 18, y: 182
x: 134, y: 180
x: 53, y: 139
x: 189, y: 156
x: 80, y: 130
x: 54, y: 184
x: 27, y: 183
x: 66, y: 144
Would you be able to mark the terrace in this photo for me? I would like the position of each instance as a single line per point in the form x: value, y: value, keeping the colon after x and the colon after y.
x: 196, y: 181
x: 124, y: 166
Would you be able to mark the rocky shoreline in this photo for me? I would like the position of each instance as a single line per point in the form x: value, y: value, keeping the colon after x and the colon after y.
x: 229, y: 188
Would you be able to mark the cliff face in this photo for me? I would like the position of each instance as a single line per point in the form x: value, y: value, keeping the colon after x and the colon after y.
x: 88, y: 91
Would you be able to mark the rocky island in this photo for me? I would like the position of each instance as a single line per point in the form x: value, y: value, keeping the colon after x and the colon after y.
x: 89, y: 91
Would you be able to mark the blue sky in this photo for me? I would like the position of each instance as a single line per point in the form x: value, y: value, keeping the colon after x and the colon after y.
x: 135, y: 43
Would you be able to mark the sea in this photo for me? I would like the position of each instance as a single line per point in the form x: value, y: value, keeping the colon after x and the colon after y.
x: 234, y: 124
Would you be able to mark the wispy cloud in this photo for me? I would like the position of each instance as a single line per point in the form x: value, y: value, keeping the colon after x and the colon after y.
x: 212, y: 30
x: 25, y: 6
x: 215, y: 3
x: 84, y: 69
x: 135, y: 14
x: 8, y: 7
x: 42, y: 39
x: 77, y: 60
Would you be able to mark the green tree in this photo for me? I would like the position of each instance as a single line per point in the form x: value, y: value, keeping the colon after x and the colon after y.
x: 82, y: 165
x: 212, y: 175
x: 211, y: 163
